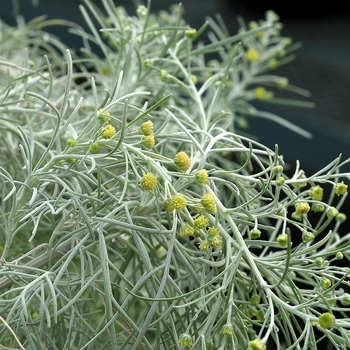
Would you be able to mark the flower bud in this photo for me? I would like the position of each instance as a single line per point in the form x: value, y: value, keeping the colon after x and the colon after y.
x: 339, y: 255
x: 215, y: 241
x: 280, y: 181
x: 213, y: 231
x: 108, y: 131
x: 149, y: 141
x: 204, y: 245
x: 260, y: 93
x: 182, y: 161
x: 256, y: 344
x: 252, y: 55
x: 202, y: 177
x: 278, y: 169
x: 185, y: 340
x: 168, y: 206
x: 94, y: 147
x: 164, y: 75
x: 227, y: 329
x: 340, y: 189
x: 255, y: 233
x: 332, y: 212
x: 201, y: 222
x: 255, y: 299
x: 326, y: 320
x: 316, y: 193
x: 103, y: 116
x: 71, y: 142
x: 282, y: 240
x: 147, y: 128
x: 208, y: 202
x: 341, y: 217
x: 186, y: 231
x: 308, y: 237
x: 345, y: 299
x: 325, y: 283
x: 179, y: 202
x: 302, y: 208
x: 319, y: 261
x: 190, y: 33
x: 149, y: 182
x: 317, y: 207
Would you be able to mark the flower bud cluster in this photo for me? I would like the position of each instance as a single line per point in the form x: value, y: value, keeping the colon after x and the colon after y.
x: 148, y: 136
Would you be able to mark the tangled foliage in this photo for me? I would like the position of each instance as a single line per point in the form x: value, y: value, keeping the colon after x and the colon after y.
x: 134, y: 212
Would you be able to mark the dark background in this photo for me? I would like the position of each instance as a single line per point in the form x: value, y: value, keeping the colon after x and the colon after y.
x: 321, y: 66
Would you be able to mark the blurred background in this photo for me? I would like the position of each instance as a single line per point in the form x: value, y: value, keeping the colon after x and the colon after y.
x: 322, y: 65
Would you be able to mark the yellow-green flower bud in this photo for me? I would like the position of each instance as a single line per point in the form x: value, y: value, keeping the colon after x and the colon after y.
x: 317, y: 207
x: 273, y: 63
x: 202, y: 177
x: 213, y: 231
x: 149, y: 182
x: 201, y: 222
x: 108, y: 131
x: 204, y: 245
x: 319, y: 261
x: 332, y: 212
x: 147, y: 128
x: 282, y: 83
x: 252, y: 55
x: 256, y: 344
x: 308, y: 237
x: 302, y: 208
x: 190, y: 33
x: 194, y: 79
x: 278, y: 169
x: 339, y: 255
x: 215, y: 241
x: 345, y: 299
x: 186, y: 231
x: 185, y: 340
x: 341, y: 217
x: 297, y: 216
x: 71, y: 142
x: 326, y: 320
x: 147, y: 62
x: 148, y: 141
x: 340, y: 189
x: 179, y: 202
x: 280, y: 181
x: 71, y: 160
x: 227, y: 330
x: 142, y: 10
x: 255, y: 299
x: 94, y: 147
x: 325, y: 283
x: 168, y: 206
x: 208, y: 202
x: 163, y: 75
x: 282, y: 240
x: 316, y: 193
x: 254, y: 233
x: 260, y: 93
x: 103, y: 116
x: 182, y: 161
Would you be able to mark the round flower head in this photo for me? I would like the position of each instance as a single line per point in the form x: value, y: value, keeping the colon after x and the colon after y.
x: 94, y: 147
x: 282, y: 240
x: 201, y: 222
x: 326, y: 320
x: 254, y: 233
x: 208, y: 202
x: 149, y: 141
x: 168, y: 206
x: 202, y: 177
x: 182, y: 161
x: 213, y: 231
x: 227, y: 329
x: 186, y: 231
x: 108, y: 131
x: 179, y: 202
x: 185, y: 340
x: 149, y: 182
x: 260, y: 93
x: 252, y: 55
x: 332, y: 212
x: 204, y: 245
x: 316, y: 193
x: 340, y: 189
x: 302, y: 208
x: 104, y: 116
x: 256, y: 344
x: 71, y: 142
x: 215, y: 241
x: 147, y: 128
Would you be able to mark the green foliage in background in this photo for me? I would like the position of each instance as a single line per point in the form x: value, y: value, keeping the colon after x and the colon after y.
x: 136, y: 212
